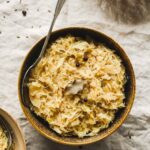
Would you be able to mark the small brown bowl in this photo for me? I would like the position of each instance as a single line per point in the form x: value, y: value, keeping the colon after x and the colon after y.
x: 41, y: 126
x: 18, y: 142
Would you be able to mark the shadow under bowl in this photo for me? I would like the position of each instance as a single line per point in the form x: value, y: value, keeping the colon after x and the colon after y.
x: 40, y: 125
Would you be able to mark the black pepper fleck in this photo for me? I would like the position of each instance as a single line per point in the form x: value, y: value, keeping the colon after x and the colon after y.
x: 18, y: 37
x: 15, y: 10
x: 27, y: 37
x: 24, y: 12
x: 85, y: 57
x: 49, y: 11
x: 77, y: 64
x: 97, y: 122
x: 85, y: 99
x: 4, y: 17
x: 0, y: 32
x: 7, y: 1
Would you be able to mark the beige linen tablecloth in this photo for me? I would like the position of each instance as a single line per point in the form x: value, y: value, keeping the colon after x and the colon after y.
x: 19, y: 32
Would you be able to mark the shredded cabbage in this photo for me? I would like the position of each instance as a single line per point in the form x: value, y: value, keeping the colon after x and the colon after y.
x: 77, y: 87
x: 3, y: 140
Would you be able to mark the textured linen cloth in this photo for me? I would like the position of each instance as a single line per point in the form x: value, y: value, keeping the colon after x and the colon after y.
x: 20, y: 31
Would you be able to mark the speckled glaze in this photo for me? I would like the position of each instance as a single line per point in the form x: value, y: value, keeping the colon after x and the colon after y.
x: 121, y: 115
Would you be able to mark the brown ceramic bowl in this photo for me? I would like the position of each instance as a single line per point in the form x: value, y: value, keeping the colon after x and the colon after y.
x: 121, y: 115
x: 17, y: 136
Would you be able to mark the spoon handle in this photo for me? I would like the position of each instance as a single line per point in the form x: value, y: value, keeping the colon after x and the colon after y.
x: 24, y: 88
x: 59, y: 5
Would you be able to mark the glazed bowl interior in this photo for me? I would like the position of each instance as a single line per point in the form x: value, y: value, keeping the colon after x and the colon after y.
x: 41, y: 125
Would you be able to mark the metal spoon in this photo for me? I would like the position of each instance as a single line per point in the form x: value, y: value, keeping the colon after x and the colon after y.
x: 5, y: 126
x: 24, y: 90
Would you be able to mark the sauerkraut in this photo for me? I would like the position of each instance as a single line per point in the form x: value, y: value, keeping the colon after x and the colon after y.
x: 3, y: 139
x: 77, y: 86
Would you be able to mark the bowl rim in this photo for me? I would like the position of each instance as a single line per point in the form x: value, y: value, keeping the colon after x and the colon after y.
x: 122, y: 119
x: 17, y: 126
